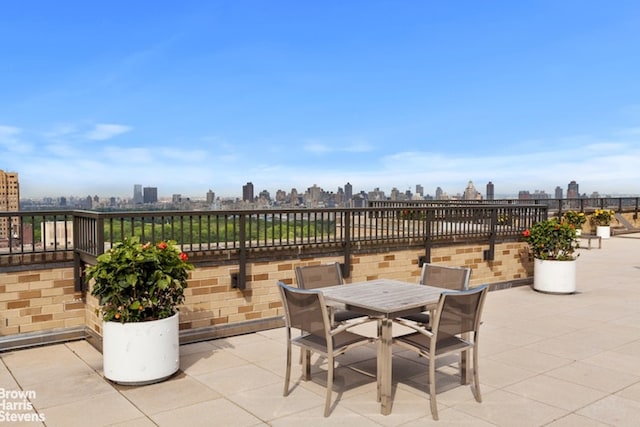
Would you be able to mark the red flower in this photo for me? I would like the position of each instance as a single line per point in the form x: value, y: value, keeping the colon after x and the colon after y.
x: 162, y: 245
x: 183, y: 256
x: 526, y: 233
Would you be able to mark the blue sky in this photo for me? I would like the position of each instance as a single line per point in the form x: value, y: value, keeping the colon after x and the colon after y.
x: 187, y: 96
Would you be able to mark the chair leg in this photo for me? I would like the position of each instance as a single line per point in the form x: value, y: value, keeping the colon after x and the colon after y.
x: 287, y: 375
x: 327, y: 403
x: 306, y: 364
x: 476, y: 376
x: 432, y: 388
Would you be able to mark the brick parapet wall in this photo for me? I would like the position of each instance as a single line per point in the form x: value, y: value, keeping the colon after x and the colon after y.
x: 39, y: 300
x: 45, y: 300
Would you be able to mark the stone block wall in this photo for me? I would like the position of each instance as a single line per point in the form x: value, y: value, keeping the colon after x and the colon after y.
x: 39, y: 300
x: 44, y: 300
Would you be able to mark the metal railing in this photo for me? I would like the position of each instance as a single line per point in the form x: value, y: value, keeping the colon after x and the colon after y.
x: 236, y: 236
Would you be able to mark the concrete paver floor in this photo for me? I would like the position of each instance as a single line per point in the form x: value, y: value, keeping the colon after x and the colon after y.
x: 556, y: 360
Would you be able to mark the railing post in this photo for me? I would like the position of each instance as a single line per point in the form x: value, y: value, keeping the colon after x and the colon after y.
x: 489, y: 255
x: 346, y: 271
x: 242, y: 270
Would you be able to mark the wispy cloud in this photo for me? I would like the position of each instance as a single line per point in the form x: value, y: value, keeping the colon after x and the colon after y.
x: 11, y: 142
x: 103, y: 132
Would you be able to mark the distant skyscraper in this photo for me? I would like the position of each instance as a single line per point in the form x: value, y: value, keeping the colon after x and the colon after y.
x: 490, y: 193
x: 211, y: 197
x: 348, y: 191
x: 572, y: 190
x: 420, y: 190
x: 558, y: 193
x: 9, y: 202
x: 247, y: 192
x: 150, y: 194
x: 439, y: 193
x: 470, y: 193
x: 137, y: 194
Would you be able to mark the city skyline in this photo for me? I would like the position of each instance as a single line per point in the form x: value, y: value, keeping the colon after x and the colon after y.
x: 284, y: 94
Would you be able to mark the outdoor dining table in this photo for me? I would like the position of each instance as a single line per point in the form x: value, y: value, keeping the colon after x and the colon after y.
x: 385, y: 299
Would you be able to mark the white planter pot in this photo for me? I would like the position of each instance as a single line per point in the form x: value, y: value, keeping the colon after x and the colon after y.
x: 556, y: 277
x: 604, y: 231
x: 141, y: 352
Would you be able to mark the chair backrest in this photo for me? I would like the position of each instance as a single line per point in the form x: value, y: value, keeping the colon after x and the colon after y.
x: 305, y: 310
x: 441, y: 276
x: 458, y: 312
x: 319, y: 276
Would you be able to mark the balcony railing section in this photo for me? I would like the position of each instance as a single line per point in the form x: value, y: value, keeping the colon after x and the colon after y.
x: 81, y: 236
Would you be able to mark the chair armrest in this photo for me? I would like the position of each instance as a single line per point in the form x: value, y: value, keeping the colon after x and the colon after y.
x: 343, y: 327
x: 415, y: 327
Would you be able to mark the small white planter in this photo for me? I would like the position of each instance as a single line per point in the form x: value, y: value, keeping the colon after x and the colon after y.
x: 556, y: 277
x: 604, y: 231
x: 141, y: 352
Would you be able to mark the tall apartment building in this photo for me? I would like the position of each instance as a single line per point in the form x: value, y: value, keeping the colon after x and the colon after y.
x: 573, y: 191
x: 138, y: 198
x: 9, y: 202
x: 150, y: 194
x: 490, y: 191
x: 247, y: 192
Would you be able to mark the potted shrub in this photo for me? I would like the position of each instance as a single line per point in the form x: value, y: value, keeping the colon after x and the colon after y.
x: 139, y: 287
x: 553, y: 245
x: 575, y: 218
x: 601, y: 219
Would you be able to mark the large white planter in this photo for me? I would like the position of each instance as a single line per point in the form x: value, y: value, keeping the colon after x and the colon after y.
x: 141, y: 352
x: 604, y: 231
x: 556, y: 277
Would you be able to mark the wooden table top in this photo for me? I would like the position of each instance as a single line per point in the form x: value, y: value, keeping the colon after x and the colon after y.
x: 384, y: 296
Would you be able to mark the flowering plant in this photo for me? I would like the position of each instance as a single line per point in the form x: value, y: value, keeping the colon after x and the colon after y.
x: 602, y: 217
x: 552, y: 240
x: 137, y: 282
x: 577, y: 219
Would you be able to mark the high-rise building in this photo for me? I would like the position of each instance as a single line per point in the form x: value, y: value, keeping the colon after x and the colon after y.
x: 137, y: 194
x: 420, y: 190
x: 558, y: 192
x: 572, y: 190
x: 211, y: 197
x: 9, y: 202
x: 439, y: 193
x: 490, y: 191
x: 247, y: 192
x: 150, y: 194
x: 348, y: 191
x: 470, y: 193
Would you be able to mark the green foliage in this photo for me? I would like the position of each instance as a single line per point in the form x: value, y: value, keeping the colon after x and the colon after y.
x: 552, y: 240
x: 136, y: 282
x: 602, y: 217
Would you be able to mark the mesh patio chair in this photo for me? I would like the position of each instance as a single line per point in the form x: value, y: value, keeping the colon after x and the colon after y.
x: 455, y: 329
x: 306, y: 310
x: 323, y: 275
x: 441, y: 276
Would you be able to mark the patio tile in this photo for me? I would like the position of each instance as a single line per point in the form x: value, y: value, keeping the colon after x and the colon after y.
x: 595, y: 376
x: 574, y: 420
x: 105, y: 409
x: 536, y: 362
x: 217, y: 412
x: 632, y: 392
x: 236, y: 379
x: 176, y: 392
x: 267, y: 403
x: 556, y: 392
x: 506, y: 409
x: 613, y: 410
